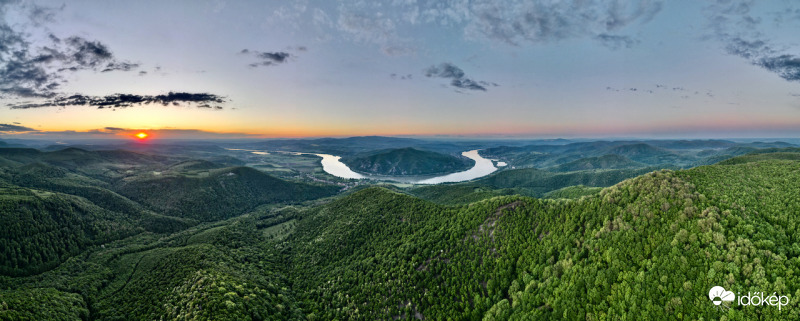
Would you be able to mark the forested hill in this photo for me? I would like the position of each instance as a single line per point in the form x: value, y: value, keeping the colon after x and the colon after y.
x: 222, y: 194
x: 648, y: 248
x: 407, y: 161
x: 56, y: 205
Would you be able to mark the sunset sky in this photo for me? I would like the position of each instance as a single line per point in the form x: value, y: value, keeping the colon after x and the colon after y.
x: 402, y: 67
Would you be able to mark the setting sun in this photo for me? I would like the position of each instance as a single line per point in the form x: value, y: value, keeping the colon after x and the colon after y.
x: 141, y: 135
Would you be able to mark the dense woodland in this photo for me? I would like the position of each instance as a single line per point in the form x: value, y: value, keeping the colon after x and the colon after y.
x: 407, y: 162
x: 102, y: 236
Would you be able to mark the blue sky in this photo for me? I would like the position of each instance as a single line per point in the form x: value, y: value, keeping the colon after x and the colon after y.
x: 402, y: 67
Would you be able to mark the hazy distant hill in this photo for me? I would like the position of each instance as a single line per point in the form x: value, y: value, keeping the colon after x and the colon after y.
x: 610, y: 161
x: 339, y: 146
x: 9, y: 145
x: 647, y: 154
x: 407, y: 161
x: 681, y: 153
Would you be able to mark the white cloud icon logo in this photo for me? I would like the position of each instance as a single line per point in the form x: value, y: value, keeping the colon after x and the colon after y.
x: 718, y: 295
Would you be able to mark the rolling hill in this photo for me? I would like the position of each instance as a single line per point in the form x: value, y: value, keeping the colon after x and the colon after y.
x: 648, y: 247
x: 222, y: 194
x: 407, y: 162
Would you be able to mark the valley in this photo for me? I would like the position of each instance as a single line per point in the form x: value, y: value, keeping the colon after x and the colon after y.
x: 220, y: 233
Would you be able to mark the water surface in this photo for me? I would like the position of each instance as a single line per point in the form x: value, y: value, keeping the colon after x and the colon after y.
x: 332, y: 165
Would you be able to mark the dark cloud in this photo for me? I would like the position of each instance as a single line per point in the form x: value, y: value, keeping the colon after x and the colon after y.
x: 747, y: 49
x: 786, y: 66
x: 274, y: 57
x: 87, y: 54
x: 27, y: 71
x: 457, y: 77
x: 114, y: 129
x: 9, y: 128
x: 269, y: 58
x: 444, y: 70
x: 128, y: 100
x: 732, y: 23
x: 466, y: 83
x: 38, y: 71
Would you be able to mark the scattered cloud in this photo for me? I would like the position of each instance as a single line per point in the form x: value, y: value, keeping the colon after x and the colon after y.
x: 201, y: 100
x: 664, y: 89
x: 30, y: 69
x: 401, y: 77
x: 13, y: 129
x: 457, y: 77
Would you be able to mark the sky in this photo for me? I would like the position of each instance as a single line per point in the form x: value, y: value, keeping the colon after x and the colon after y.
x: 538, y: 69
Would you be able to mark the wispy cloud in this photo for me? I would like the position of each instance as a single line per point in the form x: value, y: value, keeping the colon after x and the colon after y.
x: 516, y: 22
x: 616, y: 42
x: 118, y: 133
x: 367, y: 24
x: 386, y: 24
x: 14, y: 129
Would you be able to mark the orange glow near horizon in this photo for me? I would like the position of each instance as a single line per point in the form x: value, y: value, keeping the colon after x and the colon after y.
x: 141, y: 135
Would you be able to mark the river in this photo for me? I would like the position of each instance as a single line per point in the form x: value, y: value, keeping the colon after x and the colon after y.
x: 332, y: 165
